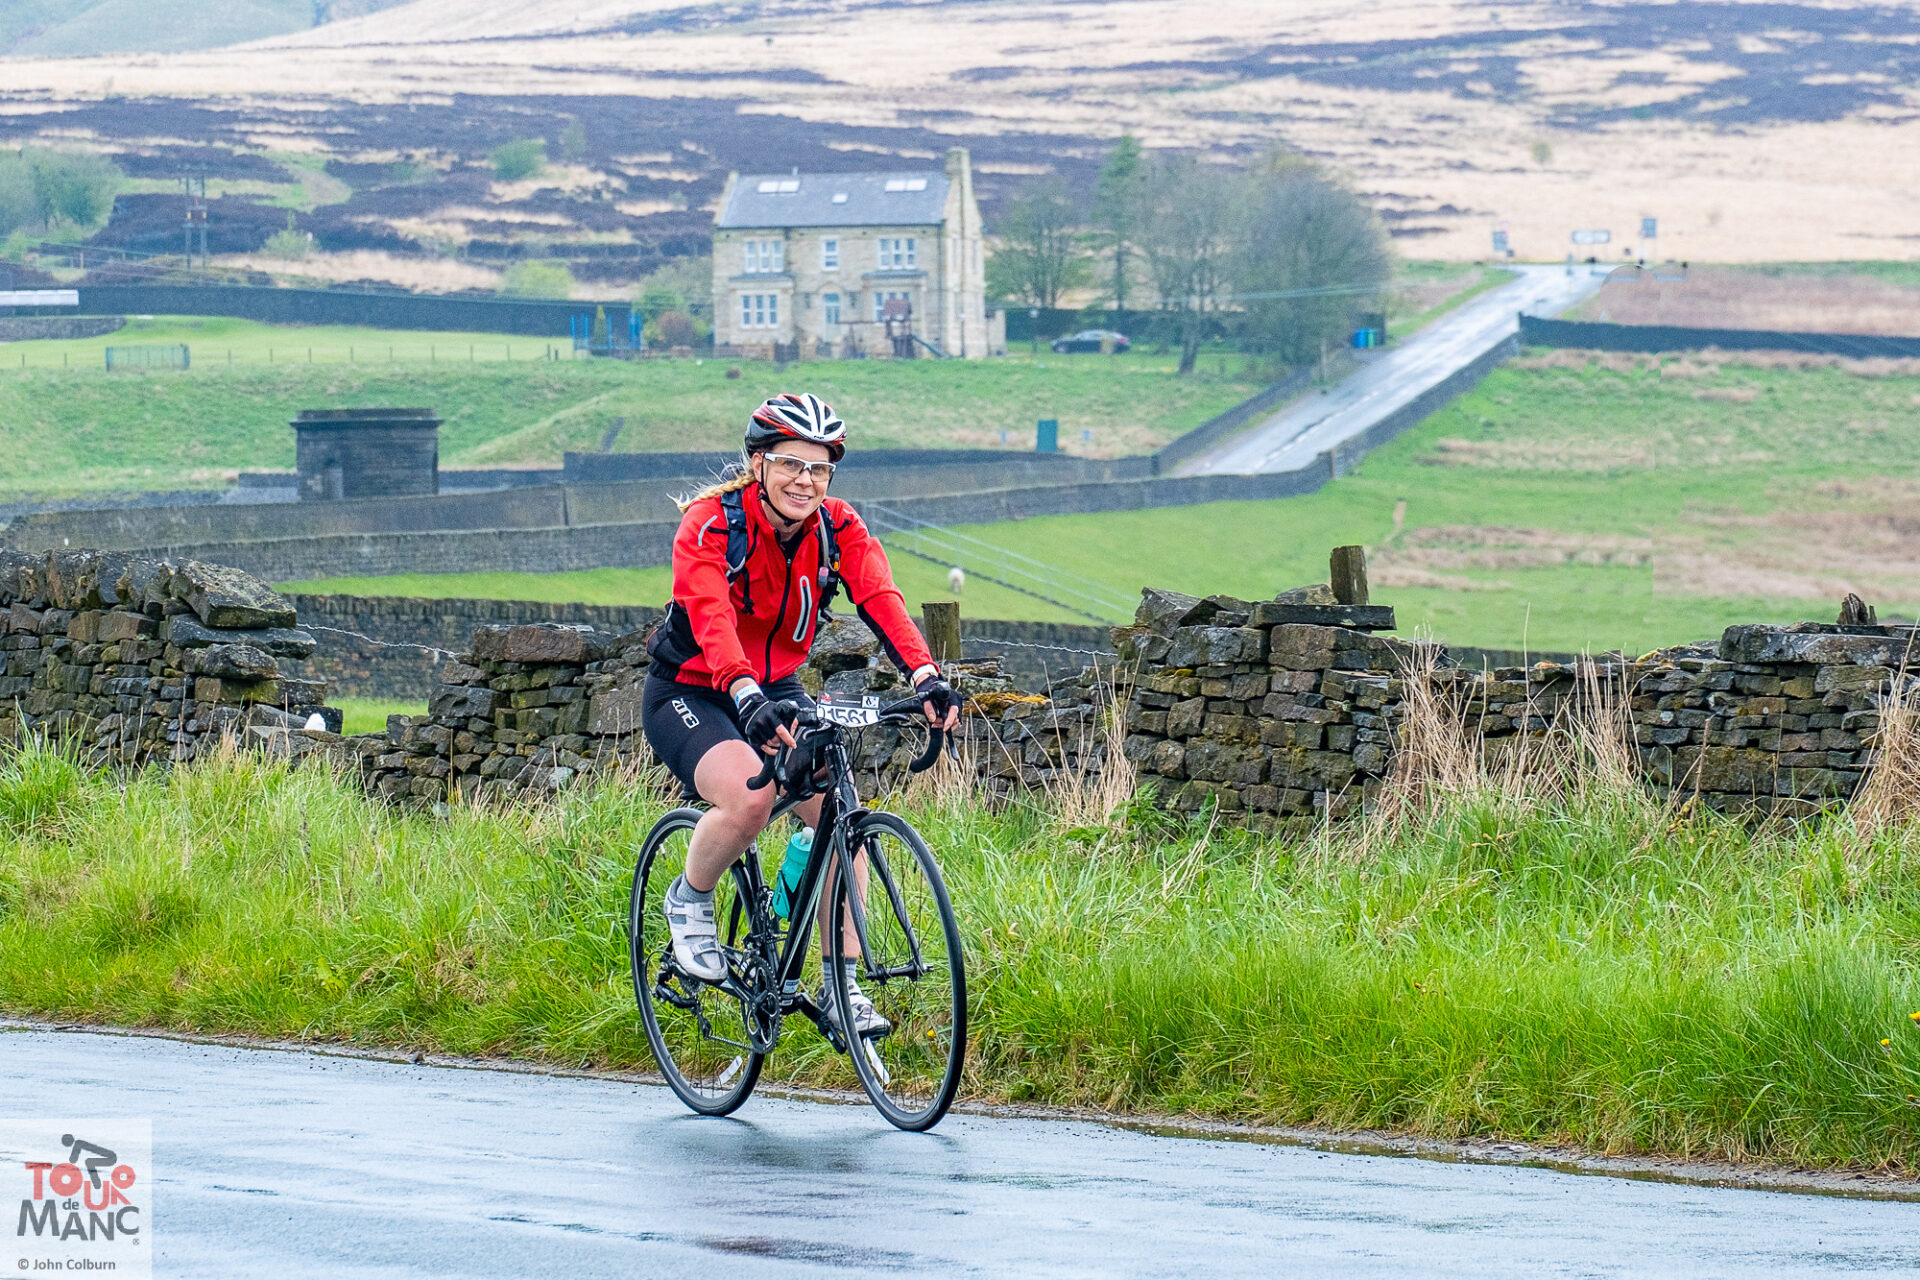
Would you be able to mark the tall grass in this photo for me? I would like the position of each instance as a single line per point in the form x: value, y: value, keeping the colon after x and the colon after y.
x: 1561, y: 966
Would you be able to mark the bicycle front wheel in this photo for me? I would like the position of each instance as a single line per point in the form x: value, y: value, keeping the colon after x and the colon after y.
x: 913, y: 972
x: 700, y: 1034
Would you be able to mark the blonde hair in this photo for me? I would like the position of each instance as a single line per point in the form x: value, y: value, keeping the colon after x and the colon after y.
x: 733, y: 477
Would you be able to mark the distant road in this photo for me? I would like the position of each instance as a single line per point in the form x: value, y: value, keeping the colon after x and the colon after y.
x: 284, y: 1164
x: 1295, y: 436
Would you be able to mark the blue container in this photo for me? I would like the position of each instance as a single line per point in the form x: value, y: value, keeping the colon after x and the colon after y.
x: 1048, y: 438
x: 793, y: 864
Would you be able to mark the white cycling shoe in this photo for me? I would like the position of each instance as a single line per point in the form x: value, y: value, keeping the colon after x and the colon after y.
x: 696, y: 940
x: 867, y: 1020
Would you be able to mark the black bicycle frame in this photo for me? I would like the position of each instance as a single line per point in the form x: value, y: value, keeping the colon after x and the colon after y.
x: 840, y: 810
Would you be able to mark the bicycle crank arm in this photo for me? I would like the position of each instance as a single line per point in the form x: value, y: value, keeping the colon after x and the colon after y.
x: 803, y: 1004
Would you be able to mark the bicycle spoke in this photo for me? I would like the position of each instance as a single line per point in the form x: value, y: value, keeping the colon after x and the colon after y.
x: 710, y: 1070
x: 913, y: 972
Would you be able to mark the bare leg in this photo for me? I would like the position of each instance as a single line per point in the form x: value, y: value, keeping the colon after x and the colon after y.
x: 849, y: 941
x: 737, y: 816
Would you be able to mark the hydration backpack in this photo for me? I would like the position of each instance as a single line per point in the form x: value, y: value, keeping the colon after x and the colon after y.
x: 738, y: 548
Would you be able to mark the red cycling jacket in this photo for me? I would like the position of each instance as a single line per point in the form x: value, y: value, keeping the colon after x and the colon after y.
x: 762, y: 623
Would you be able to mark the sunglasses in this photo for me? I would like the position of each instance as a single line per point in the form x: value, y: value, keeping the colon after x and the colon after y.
x: 788, y: 467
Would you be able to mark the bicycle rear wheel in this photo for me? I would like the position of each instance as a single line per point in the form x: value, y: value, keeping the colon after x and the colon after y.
x: 914, y: 974
x: 700, y: 1034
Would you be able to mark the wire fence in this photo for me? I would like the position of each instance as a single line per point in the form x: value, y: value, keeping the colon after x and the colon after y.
x: 979, y: 559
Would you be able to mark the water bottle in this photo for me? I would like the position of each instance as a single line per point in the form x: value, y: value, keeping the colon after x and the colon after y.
x: 792, y: 864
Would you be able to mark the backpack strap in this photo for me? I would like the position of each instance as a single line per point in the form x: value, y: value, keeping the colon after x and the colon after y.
x: 829, y: 565
x: 739, y: 540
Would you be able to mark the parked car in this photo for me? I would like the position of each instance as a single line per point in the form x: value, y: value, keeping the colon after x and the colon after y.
x: 1090, y: 340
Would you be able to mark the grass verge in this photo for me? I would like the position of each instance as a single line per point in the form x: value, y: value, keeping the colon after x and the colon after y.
x: 1588, y: 969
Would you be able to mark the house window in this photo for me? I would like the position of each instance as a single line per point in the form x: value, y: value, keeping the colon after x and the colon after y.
x: 829, y: 255
x: 897, y: 253
x: 830, y: 305
x: 882, y: 297
x: 765, y: 256
x: 906, y: 184
x: 759, y: 310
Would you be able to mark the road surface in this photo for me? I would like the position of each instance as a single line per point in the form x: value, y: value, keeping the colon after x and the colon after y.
x: 286, y: 1164
x: 1296, y: 435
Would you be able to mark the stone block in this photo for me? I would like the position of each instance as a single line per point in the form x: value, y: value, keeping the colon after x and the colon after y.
x: 845, y: 644
x: 1162, y: 612
x: 23, y: 621
x: 1764, y: 644
x: 185, y: 631
x: 617, y: 711
x: 85, y: 627
x: 1832, y: 679
x: 1185, y: 718
x: 224, y: 598
x: 455, y: 672
x: 231, y: 661
x: 118, y: 625
x: 462, y: 702
x: 1358, y: 617
x: 1216, y: 646
x: 1298, y: 647
x: 538, y: 643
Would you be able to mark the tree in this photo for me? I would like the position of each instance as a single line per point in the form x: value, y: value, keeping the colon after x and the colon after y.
x: 522, y: 158
x: 73, y: 189
x: 19, y: 206
x: 1304, y: 231
x: 1040, y: 255
x: 534, y: 278
x: 1189, y: 232
x: 1117, y: 210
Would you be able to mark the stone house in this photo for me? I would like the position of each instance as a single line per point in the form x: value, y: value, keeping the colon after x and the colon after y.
x: 850, y: 264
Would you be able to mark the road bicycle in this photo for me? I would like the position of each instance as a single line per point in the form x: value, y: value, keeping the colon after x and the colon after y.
x: 711, y: 1039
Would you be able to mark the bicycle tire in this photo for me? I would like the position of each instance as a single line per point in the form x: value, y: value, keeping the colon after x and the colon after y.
x: 912, y: 1074
x: 710, y: 1084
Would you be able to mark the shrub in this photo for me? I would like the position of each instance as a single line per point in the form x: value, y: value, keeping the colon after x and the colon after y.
x: 523, y: 158
x: 537, y: 278
x: 290, y: 243
x: 671, y: 329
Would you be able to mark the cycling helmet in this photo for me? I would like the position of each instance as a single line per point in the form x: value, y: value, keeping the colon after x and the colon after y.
x: 802, y: 416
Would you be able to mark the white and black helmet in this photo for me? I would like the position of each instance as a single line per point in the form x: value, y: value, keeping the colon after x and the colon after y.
x: 802, y: 416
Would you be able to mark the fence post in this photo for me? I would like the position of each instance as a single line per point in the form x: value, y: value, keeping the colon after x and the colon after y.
x: 940, y: 619
x: 1347, y: 574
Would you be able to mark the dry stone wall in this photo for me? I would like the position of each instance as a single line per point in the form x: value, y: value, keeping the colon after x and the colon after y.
x: 532, y: 708
x: 1273, y: 712
x: 137, y: 661
x: 1247, y: 707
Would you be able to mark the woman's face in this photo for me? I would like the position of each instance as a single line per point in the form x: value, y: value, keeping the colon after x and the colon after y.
x: 794, y: 491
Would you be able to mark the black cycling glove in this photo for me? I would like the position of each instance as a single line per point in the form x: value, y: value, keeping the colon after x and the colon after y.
x: 762, y: 719
x: 938, y: 695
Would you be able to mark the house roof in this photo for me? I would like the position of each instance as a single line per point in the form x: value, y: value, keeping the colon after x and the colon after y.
x: 903, y: 198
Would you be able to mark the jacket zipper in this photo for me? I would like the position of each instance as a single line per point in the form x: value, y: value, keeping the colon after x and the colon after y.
x: 766, y: 670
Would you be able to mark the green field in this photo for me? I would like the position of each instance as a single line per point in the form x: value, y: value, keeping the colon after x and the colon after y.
x: 1562, y: 505
x: 72, y: 427
x: 1688, y: 987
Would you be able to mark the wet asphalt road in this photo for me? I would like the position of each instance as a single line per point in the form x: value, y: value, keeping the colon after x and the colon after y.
x: 283, y: 1164
x: 1297, y: 435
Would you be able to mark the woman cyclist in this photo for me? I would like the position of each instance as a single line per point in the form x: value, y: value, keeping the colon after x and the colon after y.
x: 751, y: 564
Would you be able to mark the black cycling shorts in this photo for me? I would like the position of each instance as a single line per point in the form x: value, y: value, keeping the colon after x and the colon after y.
x: 685, y: 721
